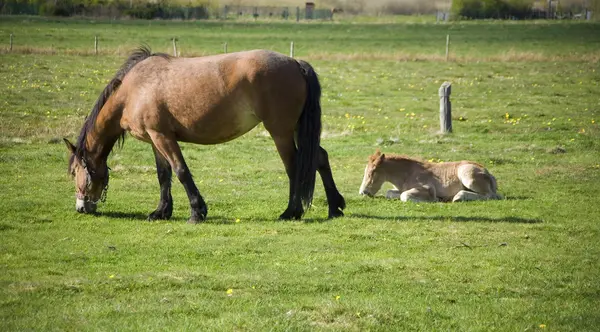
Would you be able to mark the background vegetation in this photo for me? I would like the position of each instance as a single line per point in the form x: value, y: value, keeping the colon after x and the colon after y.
x: 284, y: 9
x: 524, y: 104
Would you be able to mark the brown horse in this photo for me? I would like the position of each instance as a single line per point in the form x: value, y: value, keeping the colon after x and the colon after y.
x: 207, y: 100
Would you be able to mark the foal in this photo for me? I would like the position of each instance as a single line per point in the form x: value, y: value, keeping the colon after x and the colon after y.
x: 421, y: 181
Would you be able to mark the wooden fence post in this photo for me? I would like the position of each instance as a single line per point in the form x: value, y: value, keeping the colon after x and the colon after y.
x: 445, y: 108
x: 447, y: 47
x: 292, y: 49
x: 11, y: 41
x: 297, y: 14
x: 174, y: 46
x: 96, y: 45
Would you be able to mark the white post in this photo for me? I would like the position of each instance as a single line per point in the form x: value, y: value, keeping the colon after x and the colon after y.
x: 445, y: 108
x: 174, y: 46
x: 225, y: 47
x: 291, y: 49
x: 11, y: 42
x: 96, y: 45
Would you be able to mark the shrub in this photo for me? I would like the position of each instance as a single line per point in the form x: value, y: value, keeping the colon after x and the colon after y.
x: 478, y: 9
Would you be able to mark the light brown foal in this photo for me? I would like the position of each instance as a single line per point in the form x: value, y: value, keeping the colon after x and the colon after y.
x: 164, y: 100
x: 421, y: 181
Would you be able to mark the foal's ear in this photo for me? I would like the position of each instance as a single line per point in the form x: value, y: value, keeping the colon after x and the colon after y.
x: 70, y: 146
x: 382, y: 156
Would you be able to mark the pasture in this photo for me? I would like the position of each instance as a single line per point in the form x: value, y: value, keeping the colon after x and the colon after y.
x: 525, y: 104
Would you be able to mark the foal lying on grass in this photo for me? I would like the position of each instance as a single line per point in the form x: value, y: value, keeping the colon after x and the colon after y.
x: 421, y: 181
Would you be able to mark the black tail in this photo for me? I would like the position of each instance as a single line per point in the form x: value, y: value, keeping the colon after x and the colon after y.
x: 308, y: 132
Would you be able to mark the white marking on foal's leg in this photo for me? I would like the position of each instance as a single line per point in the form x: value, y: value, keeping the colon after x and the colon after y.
x: 417, y: 195
x: 465, y: 195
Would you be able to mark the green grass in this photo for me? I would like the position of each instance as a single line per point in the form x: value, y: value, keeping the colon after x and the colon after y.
x: 517, y: 264
x: 469, y: 40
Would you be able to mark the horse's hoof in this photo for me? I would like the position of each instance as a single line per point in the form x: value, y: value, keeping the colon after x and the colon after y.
x: 197, y: 218
x: 335, y: 214
x: 287, y: 215
x: 159, y: 215
x: 194, y: 221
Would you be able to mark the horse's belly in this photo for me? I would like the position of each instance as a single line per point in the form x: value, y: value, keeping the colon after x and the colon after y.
x: 219, y: 124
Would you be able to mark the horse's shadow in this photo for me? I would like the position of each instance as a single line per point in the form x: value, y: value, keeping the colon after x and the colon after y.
x: 122, y: 215
x: 214, y: 219
x: 222, y: 220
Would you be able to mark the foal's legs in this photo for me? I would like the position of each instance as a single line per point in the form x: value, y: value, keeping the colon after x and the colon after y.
x: 165, y: 205
x: 418, y: 194
x: 465, y: 195
x: 169, y: 148
x: 478, y: 181
x: 335, y: 200
x: 287, y: 151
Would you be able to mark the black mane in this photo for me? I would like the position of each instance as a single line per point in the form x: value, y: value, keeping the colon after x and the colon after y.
x: 140, y: 54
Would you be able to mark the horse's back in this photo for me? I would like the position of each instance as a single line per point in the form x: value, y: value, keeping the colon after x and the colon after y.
x: 213, y: 99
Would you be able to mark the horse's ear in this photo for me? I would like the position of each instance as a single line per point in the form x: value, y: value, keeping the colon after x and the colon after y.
x: 70, y: 146
x: 377, y: 152
x: 382, y: 156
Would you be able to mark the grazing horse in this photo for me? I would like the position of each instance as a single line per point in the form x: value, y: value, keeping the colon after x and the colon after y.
x: 164, y: 100
x: 421, y: 181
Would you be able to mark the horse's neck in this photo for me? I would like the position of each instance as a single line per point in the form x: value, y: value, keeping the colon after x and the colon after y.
x: 103, y: 135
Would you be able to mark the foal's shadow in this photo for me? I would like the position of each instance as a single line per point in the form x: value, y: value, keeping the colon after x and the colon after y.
x: 509, y: 219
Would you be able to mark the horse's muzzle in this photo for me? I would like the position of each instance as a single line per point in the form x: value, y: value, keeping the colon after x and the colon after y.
x: 365, y: 193
x: 83, y: 206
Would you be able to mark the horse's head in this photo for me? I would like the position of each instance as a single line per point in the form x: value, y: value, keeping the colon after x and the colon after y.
x: 91, y: 181
x: 374, y: 176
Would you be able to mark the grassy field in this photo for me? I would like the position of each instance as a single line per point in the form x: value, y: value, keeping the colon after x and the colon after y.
x: 525, y: 104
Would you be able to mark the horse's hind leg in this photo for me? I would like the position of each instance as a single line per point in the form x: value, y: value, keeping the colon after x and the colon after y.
x: 169, y: 148
x: 165, y: 205
x: 335, y: 200
x: 287, y: 151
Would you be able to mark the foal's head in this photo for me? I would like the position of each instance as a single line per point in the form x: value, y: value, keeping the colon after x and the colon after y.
x: 91, y: 181
x: 374, y: 176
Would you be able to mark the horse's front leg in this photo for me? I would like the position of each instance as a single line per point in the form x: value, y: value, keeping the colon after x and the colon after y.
x: 164, y: 173
x: 168, y: 147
